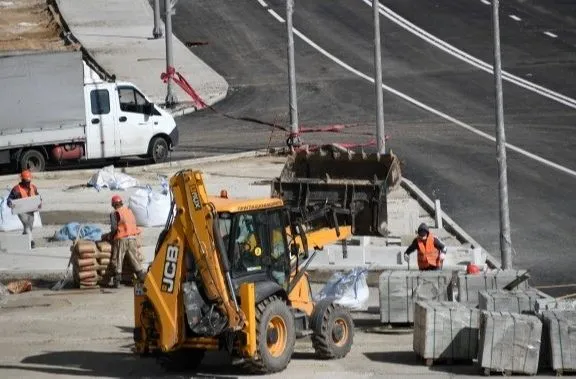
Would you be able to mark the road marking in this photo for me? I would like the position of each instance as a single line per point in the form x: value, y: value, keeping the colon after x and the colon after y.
x: 263, y: 3
x: 424, y: 106
x: 276, y: 15
x: 550, y: 34
x: 515, y: 18
x: 486, y: 2
x: 457, y: 53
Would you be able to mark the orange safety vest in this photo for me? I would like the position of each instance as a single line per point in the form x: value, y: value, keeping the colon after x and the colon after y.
x: 127, y: 226
x: 428, y: 254
x: 26, y: 192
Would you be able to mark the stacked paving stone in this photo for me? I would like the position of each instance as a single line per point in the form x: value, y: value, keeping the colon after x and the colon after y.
x: 469, y: 285
x: 509, y: 301
x: 559, y: 340
x: 445, y: 331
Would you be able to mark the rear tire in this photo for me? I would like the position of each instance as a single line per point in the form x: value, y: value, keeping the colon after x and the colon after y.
x: 332, y: 330
x: 32, y: 160
x: 158, y: 150
x: 275, y: 337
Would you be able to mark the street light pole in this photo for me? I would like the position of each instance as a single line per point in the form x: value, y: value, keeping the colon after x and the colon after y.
x: 505, y: 240
x: 381, y: 143
x: 157, y: 31
x: 294, y: 138
x: 170, y: 96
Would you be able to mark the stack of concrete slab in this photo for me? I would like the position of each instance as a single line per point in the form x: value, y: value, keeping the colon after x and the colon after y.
x: 400, y: 289
x: 509, y: 343
x: 559, y: 340
x: 519, y: 301
x: 469, y: 285
x: 550, y: 303
x: 445, y: 331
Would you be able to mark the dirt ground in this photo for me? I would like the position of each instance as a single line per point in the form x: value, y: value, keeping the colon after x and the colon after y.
x: 29, y: 25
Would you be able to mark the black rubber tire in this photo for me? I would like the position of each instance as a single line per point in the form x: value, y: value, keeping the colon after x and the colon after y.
x: 32, y: 160
x: 158, y: 150
x: 183, y: 360
x: 325, y: 317
x: 264, y: 362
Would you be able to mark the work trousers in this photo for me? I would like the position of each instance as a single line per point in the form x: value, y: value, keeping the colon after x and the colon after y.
x: 27, y: 220
x: 125, y: 247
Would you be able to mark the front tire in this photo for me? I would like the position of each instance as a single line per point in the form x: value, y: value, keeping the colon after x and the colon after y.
x: 332, y: 330
x: 275, y: 337
x: 158, y: 150
x: 32, y: 160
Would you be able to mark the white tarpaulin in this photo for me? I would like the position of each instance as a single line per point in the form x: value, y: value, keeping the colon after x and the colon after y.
x: 108, y: 178
x: 349, y: 290
x: 10, y: 222
x: 150, y: 208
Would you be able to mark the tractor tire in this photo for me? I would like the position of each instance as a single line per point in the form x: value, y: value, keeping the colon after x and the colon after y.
x: 179, y: 361
x: 32, y: 160
x: 275, y: 337
x: 332, y: 330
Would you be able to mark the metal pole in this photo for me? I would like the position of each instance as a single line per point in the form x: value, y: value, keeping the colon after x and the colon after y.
x: 294, y: 138
x: 157, y: 32
x: 378, y: 80
x: 505, y: 240
x: 170, y: 96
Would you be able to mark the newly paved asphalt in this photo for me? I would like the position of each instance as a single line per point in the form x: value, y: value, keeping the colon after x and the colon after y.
x: 242, y: 41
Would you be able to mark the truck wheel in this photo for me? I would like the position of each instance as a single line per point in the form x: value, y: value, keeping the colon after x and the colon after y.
x: 158, y: 150
x: 181, y: 360
x: 32, y: 160
x: 275, y: 336
x: 332, y: 330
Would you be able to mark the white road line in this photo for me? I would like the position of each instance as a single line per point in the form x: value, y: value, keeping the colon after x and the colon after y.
x: 424, y: 106
x: 515, y: 18
x: 550, y: 34
x: 263, y: 3
x: 486, y: 2
x: 276, y: 15
x: 457, y: 53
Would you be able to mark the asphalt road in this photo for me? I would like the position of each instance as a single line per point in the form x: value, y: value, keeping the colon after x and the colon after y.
x: 246, y: 44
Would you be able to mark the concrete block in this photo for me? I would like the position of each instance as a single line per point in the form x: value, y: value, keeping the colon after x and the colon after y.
x: 445, y: 330
x: 509, y: 342
x: 559, y: 340
x: 469, y: 285
x: 509, y: 301
x: 400, y: 289
x: 14, y: 242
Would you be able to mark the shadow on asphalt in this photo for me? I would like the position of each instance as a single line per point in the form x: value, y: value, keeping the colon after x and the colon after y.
x: 409, y: 358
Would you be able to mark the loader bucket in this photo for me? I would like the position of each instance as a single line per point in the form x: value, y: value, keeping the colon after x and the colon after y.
x: 348, y: 187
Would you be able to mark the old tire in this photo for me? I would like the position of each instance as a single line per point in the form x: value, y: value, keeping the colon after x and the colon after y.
x: 182, y: 360
x: 332, y: 330
x: 158, y: 150
x: 32, y: 160
x: 275, y: 337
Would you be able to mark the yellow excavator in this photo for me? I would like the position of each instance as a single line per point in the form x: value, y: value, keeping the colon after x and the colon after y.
x: 230, y: 274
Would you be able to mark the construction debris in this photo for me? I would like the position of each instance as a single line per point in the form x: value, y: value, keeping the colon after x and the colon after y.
x: 19, y: 286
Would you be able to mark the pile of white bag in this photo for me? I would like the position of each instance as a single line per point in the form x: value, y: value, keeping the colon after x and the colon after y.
x: 349, y: 290
x: 10, y: 222
x: 108, y: 178
x: 150, y: 208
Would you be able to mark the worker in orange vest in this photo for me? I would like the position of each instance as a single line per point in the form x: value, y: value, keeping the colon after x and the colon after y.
x: 23, y: 190
x: 123, y: 234
x: 431, y: 251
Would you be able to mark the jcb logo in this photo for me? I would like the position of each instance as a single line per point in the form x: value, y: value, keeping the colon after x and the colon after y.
x: 196, y: 200
x: 170, y: 265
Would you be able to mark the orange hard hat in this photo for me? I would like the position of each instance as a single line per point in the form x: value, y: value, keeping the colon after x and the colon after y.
x: 116, y: 199
x: 26, y: 175
x: 472, y: 269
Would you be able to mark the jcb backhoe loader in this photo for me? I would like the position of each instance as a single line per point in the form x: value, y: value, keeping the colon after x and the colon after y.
x: 230, y: 274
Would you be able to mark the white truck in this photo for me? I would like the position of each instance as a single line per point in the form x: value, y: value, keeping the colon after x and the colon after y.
x: 55, y: 108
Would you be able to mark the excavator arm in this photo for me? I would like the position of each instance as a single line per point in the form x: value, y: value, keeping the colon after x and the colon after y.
x: 192, y: 231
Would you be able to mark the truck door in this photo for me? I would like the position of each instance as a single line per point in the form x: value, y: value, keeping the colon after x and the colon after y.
x: 101, y: 124
x: 136, y: 126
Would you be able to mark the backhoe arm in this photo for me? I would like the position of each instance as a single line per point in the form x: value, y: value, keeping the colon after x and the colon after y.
x: 192, y: 231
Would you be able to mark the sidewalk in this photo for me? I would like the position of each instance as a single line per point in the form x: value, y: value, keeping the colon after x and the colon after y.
x: 118, y: 36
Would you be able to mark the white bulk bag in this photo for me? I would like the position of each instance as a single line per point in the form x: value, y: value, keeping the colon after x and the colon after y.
x: 150, y: 208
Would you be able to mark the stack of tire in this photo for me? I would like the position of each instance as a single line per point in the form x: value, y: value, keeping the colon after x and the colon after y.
x: 89, y: 262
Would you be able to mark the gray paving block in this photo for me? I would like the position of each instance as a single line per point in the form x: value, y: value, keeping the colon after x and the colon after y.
x: 469, y: 285
x: 400, y: 289
x: 559, y: 340
x: 509, y: 301
x: 509, y: 342
x: 14, y: 242
x: 445, y: 330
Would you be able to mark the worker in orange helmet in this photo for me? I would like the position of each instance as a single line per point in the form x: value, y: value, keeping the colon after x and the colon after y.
x: 123, y: 234
x: 23, y: 190
x: 431, y: 251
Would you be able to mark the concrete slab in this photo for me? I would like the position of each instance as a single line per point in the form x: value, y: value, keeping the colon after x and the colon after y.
x: 14, y: 242
x: 117, y: 33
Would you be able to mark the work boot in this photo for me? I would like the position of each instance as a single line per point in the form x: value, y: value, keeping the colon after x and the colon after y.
x: 116, y: 281
x: 32, y: 244
x: 141, y: 275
